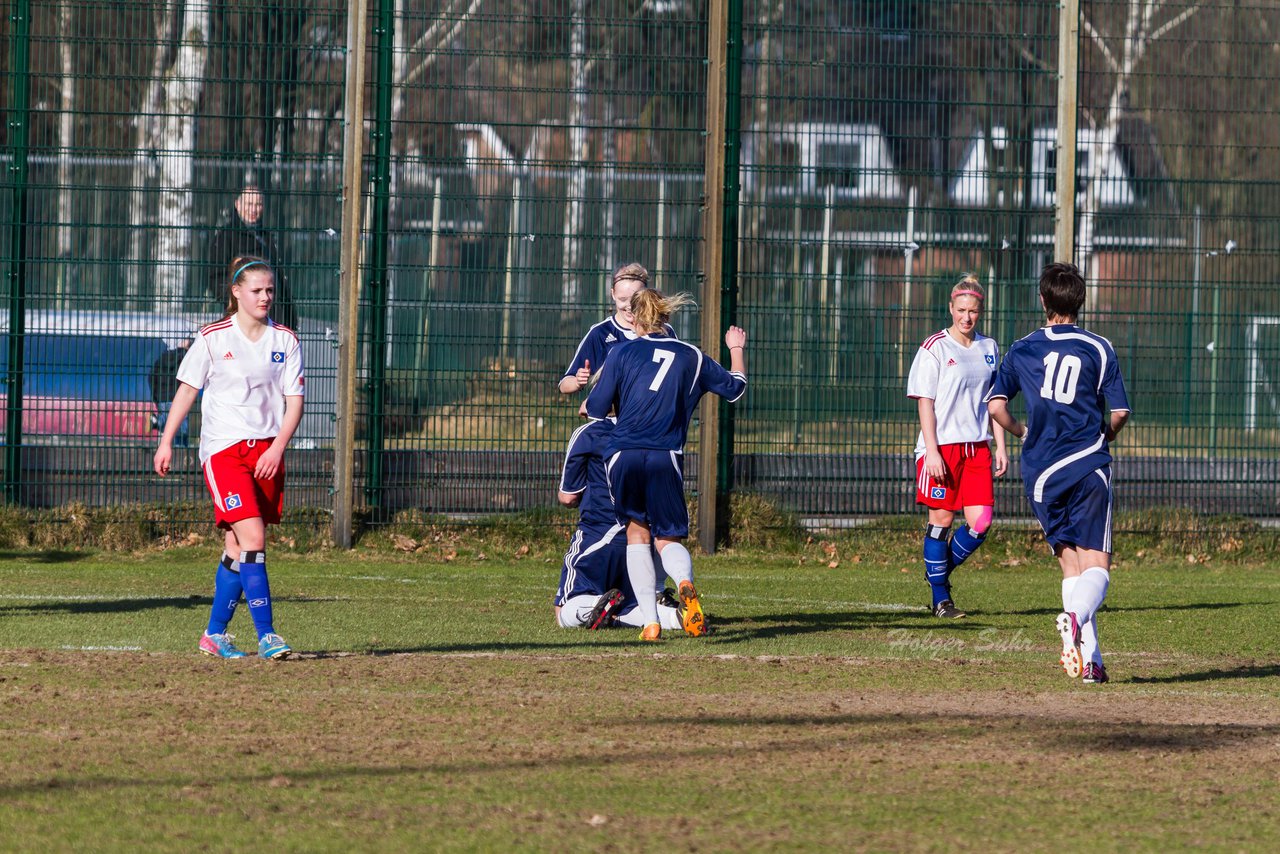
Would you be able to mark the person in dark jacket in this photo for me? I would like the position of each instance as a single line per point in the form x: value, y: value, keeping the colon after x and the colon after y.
x: 164, y: 383
x: 242, y: 234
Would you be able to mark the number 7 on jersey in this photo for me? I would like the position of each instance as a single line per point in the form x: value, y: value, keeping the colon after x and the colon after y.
x: 665, y: 358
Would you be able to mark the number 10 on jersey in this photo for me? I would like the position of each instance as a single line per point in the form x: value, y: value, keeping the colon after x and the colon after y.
x: 1061, y: 374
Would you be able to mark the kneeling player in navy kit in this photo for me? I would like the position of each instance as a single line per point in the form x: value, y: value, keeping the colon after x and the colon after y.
x: 594, y: 591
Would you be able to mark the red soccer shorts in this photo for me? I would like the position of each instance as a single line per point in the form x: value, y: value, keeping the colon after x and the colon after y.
x: 237, y: 493
x: 968, y: 479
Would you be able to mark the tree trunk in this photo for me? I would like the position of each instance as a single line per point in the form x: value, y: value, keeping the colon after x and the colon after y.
x: 143, y: 156
x: 66, y: 142
x: 1139, y: 34
x: 571, y: 287
x: 1104, y: 139
x: 175, y: 135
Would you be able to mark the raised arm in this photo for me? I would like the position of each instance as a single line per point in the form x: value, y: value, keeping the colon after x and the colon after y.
x: 736, y: 340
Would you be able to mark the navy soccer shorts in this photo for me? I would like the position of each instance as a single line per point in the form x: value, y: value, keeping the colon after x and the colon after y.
x: 595, y: 564
x: 1080, y: 515
x: 648, y: 486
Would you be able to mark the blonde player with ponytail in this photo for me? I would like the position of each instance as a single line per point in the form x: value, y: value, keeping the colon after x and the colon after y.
x: 654, y: 383
x: 949, y: 380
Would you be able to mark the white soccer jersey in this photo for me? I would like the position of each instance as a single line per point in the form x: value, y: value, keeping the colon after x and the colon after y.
x: 957, y: 379
x: 245, y: 382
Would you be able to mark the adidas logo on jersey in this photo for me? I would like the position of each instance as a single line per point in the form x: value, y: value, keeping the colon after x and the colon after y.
x: 950, y: 362
x: 609, y: 339
x: 229, y: 355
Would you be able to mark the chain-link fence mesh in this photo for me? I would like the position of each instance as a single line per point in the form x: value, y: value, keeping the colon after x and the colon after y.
x: 516, y: 153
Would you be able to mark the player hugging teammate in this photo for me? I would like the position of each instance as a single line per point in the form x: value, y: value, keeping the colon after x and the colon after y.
x: 610, y: 572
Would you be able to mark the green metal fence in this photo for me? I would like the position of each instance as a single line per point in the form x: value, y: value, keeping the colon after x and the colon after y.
x: 515, y: 153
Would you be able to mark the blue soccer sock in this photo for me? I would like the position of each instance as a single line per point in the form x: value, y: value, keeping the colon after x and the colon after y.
x: 257, y: 592
x: 936, y: 554
x: 964, y: 542
x: 226, y: 595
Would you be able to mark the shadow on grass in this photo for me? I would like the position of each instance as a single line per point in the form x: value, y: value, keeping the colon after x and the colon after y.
x: 1099, y: 735
x: 49, y: 556
x: 795, y: 736
x: 611, y: 640
x: 1107, y: 609
x: 1251, y: 671
x: 793, y: 623
x: 107, y: 606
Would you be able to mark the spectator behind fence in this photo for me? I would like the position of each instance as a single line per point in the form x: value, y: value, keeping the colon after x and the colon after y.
x: 164, y: 384
x: 241, y: 233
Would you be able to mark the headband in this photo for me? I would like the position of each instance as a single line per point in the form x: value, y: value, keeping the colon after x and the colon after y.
x: 967, y: 293
x: 237, y: 273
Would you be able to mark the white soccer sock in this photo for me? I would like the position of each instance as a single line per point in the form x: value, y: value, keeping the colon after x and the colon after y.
x: 677, y: 563
x: 642, y: 575
x: 659, y: 574
x: 1068, y: 585
x: 668, y: 618
x: 1089, y: 649
x: 574, y: 612
x: 1091, y: 589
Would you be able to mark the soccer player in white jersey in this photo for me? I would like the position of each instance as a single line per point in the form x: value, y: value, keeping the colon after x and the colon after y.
x: 250, y: 369
x: 949, y: 380
x: 610, y: 332
x: 1070, y: 378
x: 654, y: 384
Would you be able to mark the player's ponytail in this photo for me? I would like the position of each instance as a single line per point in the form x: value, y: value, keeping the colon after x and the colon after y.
x: 652, y: 310
x: 239, y: 268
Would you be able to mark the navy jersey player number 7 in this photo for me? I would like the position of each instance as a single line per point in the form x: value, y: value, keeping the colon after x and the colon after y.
x: 656, y: 382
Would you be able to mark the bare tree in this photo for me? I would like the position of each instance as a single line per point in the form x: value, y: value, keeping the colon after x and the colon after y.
x: 571, y: 287
x: 66, y: 140
x: 175, y: 137
x: 144, y: 151
x: 1146, y: 22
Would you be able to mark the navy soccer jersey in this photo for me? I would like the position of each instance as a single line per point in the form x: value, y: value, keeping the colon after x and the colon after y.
x: 1070, y: 377
x: 599, y: 342
x: 583, y: 473
x: 655, y: 383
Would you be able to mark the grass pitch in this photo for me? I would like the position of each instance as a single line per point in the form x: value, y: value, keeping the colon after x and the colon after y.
x: 433, y: 706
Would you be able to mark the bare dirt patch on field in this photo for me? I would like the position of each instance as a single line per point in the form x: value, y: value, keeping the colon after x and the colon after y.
x: 496, y: 749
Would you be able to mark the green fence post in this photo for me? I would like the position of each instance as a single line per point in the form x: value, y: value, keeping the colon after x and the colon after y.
x: 729, y: 266
x: 378, y: 285
x: 19, y: 134
x: 720, y: 248
x: 1068, y: 92
x: 349, y: 273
